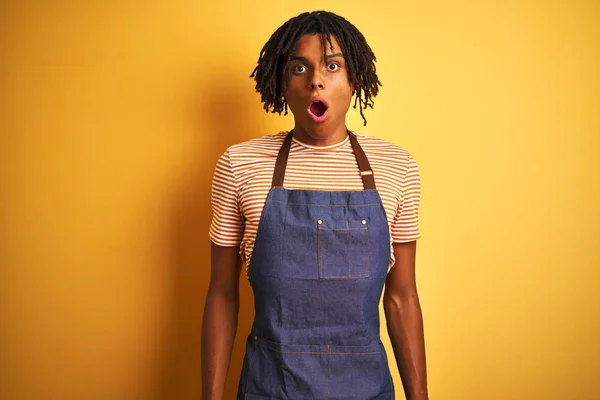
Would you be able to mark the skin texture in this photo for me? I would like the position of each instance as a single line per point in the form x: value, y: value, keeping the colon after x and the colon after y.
x: 219, y: 322
x: 405, y: 321
x: 311, y: 74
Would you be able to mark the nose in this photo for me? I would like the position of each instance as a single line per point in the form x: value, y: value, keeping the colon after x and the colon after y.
x: 316, y: 81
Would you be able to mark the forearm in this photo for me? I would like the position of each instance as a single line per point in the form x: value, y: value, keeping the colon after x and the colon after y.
x: 405, y: 327
x: 218, y: 333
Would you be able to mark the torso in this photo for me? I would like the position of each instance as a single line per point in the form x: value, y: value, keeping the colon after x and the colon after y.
x: 329, y: 168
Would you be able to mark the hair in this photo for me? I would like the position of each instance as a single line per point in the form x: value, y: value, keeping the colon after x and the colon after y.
x: 279, y: 49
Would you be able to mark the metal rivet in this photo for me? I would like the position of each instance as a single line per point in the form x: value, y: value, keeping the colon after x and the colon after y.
x: 364, y: 222
x: 319, y: 222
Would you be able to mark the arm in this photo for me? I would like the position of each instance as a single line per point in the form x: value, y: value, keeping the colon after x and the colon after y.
x: 405, y: 321
x: 219, y: 322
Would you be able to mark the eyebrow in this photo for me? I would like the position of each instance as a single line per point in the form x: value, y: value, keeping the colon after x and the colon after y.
x: 304, y: 59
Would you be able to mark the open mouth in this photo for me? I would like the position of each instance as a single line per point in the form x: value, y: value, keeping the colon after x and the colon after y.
x: 318, y: 108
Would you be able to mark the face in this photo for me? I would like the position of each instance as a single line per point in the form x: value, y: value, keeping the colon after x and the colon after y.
x: 318, y: 91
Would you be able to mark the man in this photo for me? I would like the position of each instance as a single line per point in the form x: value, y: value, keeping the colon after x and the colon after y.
x: 322, y: 218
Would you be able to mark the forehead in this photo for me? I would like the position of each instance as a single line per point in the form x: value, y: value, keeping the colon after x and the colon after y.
x: 312, y: 45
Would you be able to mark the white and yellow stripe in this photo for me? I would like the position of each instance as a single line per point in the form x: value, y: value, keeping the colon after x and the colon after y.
x: 243, y: 176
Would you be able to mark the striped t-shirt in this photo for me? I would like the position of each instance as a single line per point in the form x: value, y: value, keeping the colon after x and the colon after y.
x: 243, y: 176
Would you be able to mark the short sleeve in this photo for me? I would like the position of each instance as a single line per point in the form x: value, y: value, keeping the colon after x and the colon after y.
x: 405, y: 227
x: 227, y: 226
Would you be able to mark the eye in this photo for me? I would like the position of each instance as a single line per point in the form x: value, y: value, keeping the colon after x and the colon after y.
x: 298, y: 69
x: 333, y: 66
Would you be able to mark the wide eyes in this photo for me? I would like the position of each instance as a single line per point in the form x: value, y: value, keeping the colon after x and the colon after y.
x: 300, y: 69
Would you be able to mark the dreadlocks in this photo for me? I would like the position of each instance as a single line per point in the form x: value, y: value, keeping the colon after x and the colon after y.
x: 270, y: 74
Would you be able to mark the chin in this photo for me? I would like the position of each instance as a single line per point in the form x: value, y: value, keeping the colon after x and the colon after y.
x: 317, y: 131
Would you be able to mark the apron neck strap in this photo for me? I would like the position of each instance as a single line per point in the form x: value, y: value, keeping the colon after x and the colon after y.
x: 366, y: 173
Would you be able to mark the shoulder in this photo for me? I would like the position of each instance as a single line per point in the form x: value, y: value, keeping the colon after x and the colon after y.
x: 260, y: 146
x: 253, y: 156
x: 379, y: 150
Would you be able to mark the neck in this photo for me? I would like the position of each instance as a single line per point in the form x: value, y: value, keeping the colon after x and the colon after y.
x: 318, y: 138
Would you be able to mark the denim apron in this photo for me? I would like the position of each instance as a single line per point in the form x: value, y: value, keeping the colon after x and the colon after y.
x: 317, y: 271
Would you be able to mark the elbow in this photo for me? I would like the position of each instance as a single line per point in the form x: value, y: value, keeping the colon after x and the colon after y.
x: 397, y: 302
x: 224, y: 292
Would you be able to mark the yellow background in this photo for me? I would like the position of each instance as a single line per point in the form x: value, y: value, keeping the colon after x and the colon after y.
x: 113, y: 114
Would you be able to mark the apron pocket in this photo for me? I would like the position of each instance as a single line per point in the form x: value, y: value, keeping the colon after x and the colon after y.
x: 343, y: 249
x: 359, y: 376
x: 293, y: 372
x: 279, y: 374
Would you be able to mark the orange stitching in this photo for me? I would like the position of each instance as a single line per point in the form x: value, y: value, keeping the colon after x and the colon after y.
x: 322, y: 205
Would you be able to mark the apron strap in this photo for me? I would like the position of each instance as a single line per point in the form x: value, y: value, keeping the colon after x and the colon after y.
x: 366, y: 173
x: 281, y: 162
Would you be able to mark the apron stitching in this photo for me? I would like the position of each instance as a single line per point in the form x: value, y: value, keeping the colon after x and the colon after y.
x: 323, y: 355
x: 328, y: 375
x: 249, y: 368
x: 347, y: 259
x: 328, y: 351
x: 343, y: 229
x: 319, y: 242
x: 367, y: 258
x: 323, y: 205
